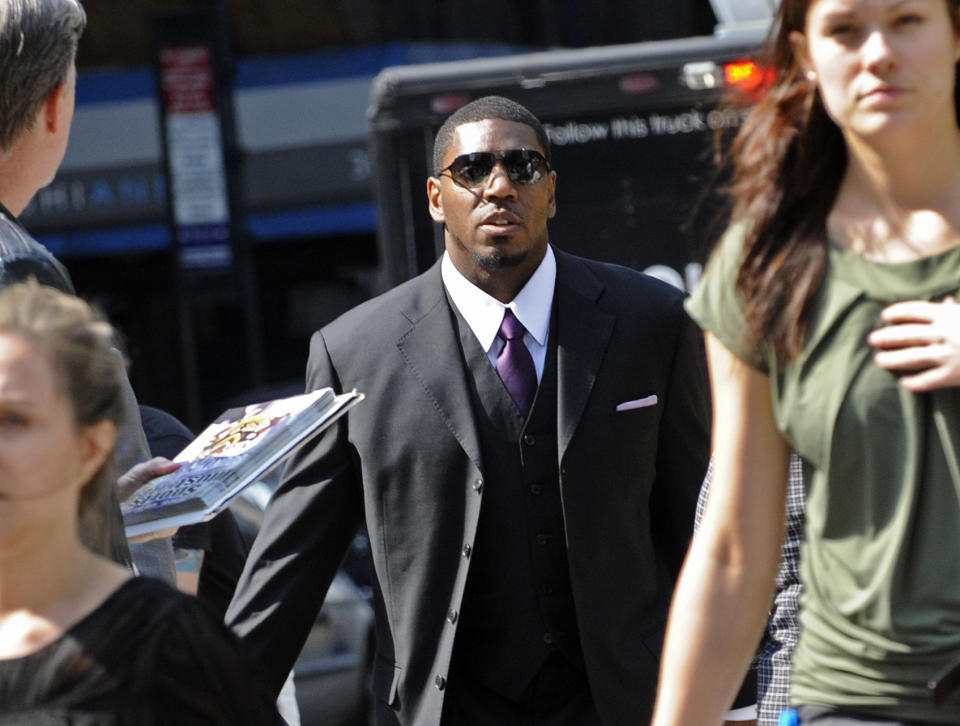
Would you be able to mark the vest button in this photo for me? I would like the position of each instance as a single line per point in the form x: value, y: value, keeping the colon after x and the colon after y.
x: 452, y: 617
x: 546, y: 588
x: 467, y: 550
x: 529, y: 440
x: 541, y: 539
x: 548, y: 638
x: 536, y: 489
x: 440, y: 682
x: 478, y: 486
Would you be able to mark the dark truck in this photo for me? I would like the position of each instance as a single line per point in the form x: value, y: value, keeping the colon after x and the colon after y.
x: 631, y: 130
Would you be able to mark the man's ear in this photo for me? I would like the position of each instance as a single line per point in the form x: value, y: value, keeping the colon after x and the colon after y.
x: 552, y: 209
x: 435, y: 199
x: 51, y: 108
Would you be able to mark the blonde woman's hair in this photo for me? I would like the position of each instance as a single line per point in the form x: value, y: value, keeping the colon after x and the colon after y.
x: 80, y: 346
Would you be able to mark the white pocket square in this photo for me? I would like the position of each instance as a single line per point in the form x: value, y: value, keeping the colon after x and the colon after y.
x: 644, y: 402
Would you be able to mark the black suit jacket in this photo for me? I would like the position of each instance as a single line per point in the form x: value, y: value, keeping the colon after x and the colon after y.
x: 407, y: 461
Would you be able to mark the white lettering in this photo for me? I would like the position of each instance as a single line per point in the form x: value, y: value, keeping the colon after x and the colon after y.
x: 625, y: 128
x: 54, y: 198
x: 576, y: 133
x: 629, y: 128
x: 725, y: 119
x: 681, y: 123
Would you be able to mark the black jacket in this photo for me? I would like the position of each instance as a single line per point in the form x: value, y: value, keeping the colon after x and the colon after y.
x: 407, y: 462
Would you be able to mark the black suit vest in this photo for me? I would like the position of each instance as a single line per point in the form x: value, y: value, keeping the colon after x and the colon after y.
x: 518, y: 605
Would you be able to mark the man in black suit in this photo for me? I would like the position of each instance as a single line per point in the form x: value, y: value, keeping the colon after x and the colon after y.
x: 528, y: 507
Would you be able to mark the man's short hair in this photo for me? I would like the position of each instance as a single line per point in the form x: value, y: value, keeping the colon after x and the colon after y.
x: 38, y: 45
x: 484, y: 109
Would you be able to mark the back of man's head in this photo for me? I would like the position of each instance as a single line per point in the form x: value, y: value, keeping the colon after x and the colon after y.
x: 484, y: 109
x: 38, y: 45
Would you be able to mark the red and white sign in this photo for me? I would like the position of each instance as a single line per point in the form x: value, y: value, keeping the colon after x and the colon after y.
x: 201, y: 211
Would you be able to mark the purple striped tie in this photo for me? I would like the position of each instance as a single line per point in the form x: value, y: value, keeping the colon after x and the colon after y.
x: 515, y: 364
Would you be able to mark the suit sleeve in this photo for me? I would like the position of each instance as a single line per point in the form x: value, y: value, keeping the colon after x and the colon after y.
x: 308, y: 526
x: 683, y: 450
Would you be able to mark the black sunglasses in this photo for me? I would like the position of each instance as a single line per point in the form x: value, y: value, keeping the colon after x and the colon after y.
x: 523, y: 166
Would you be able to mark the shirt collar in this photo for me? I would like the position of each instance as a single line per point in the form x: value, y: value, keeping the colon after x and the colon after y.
x: 484, y: 313
x: 8, y: 214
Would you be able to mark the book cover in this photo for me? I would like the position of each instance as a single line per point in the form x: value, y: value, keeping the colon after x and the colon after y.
x: 234, y: 451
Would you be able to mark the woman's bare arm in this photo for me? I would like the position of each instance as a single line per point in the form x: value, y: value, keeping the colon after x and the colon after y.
x: 723, y: 595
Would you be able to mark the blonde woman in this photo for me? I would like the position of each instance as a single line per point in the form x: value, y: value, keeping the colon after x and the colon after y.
x: 81, y: 639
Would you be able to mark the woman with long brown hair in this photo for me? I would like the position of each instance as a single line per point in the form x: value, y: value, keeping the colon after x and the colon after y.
x: 832, y: 329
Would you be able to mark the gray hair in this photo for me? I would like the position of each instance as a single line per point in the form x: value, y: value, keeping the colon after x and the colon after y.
x: 38, y: 45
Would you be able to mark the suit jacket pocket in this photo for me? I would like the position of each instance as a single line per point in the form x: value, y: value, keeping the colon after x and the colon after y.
x: 644, y: 416
x: 386, y: 679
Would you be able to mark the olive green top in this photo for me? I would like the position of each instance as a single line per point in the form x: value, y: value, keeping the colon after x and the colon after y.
x: 880, y: 565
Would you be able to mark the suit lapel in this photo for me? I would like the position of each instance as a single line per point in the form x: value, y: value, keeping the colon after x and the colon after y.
x: 583, y: 332
x: 432, y: 352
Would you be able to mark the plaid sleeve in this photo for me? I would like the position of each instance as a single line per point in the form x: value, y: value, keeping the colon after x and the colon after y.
x: 773, y: 660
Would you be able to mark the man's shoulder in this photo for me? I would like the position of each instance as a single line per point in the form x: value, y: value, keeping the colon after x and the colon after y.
x: 393, y: 311
x: 621, y: 284
x: 22, y: 257
x: 15, y: 241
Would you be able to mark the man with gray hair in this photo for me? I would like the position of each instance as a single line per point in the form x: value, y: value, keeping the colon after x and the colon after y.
x: 38, y: 47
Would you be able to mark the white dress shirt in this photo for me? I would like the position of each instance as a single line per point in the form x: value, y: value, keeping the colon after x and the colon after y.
x: 483, y: 313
